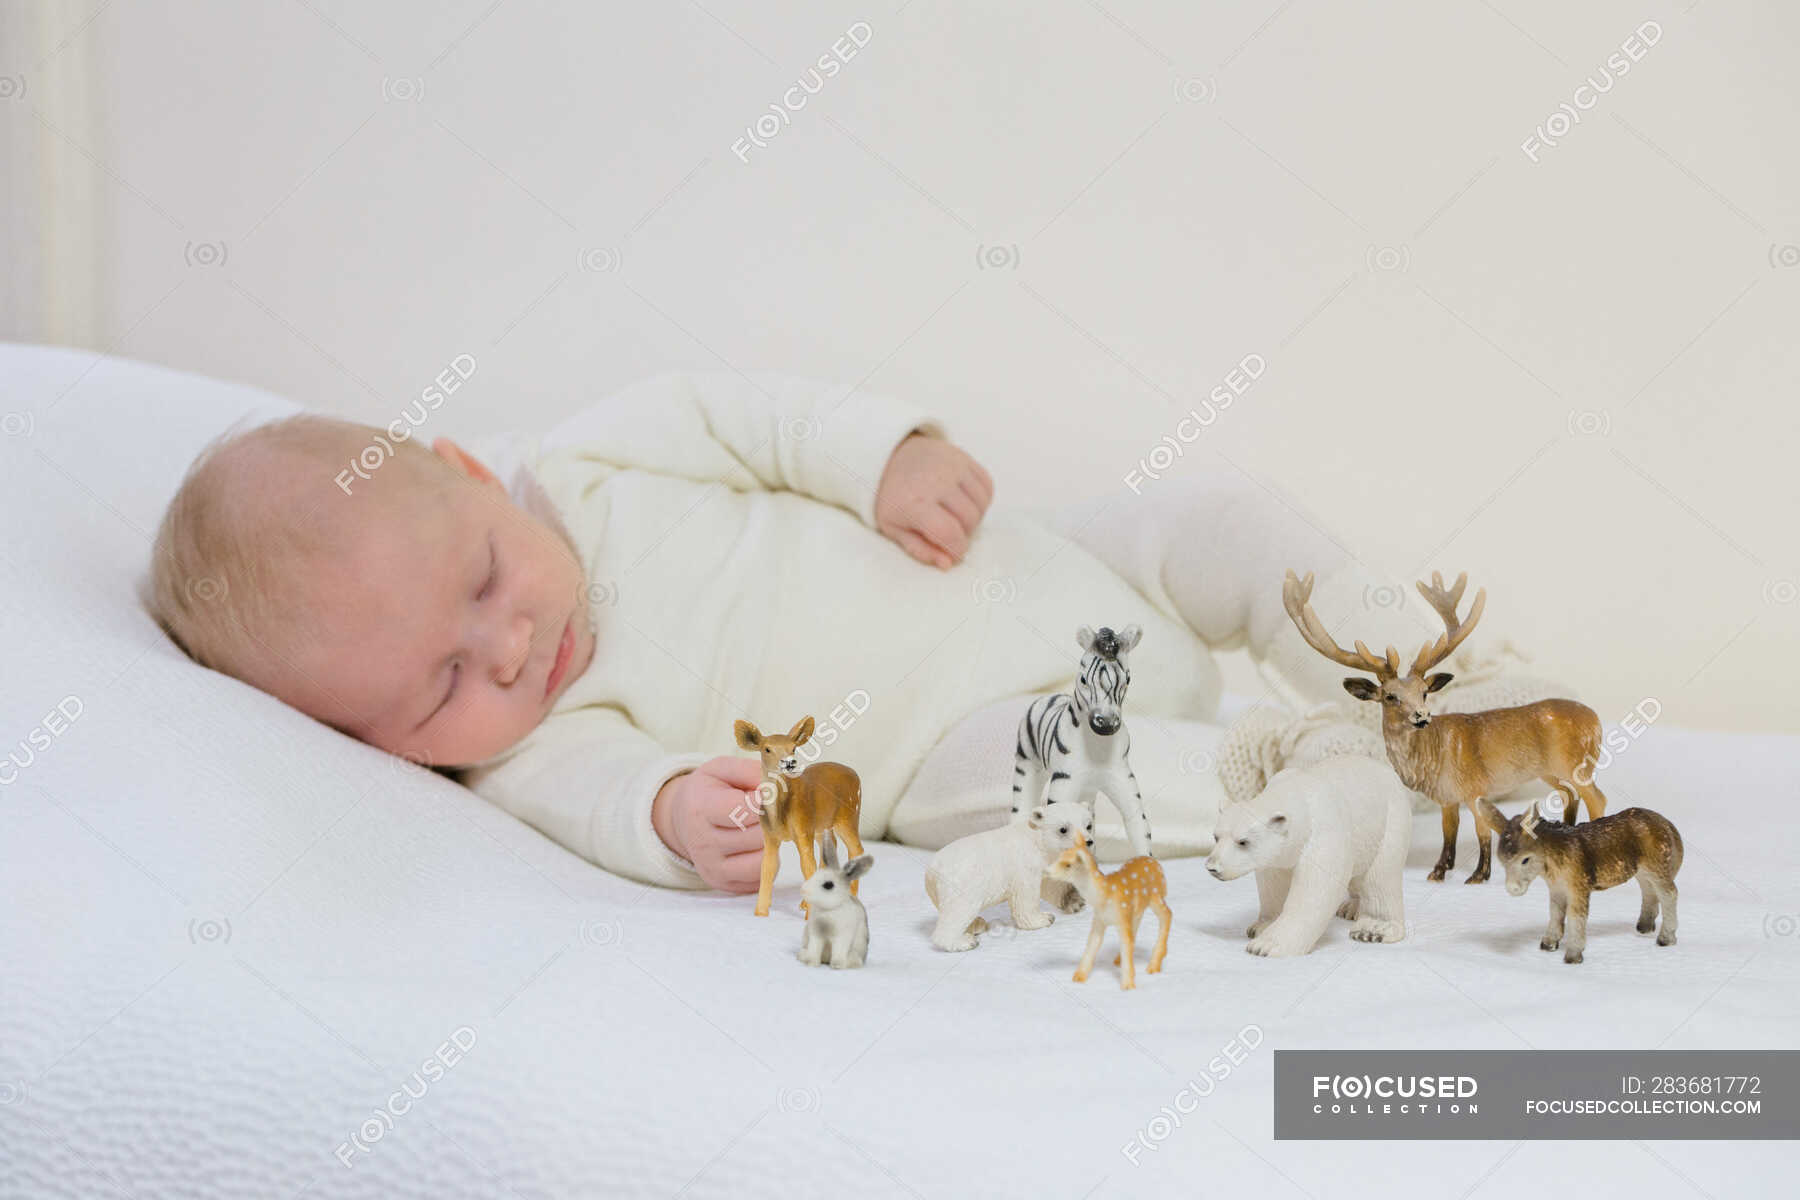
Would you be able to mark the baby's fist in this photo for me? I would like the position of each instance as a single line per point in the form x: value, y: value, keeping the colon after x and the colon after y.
x: 931, y: 498
x: 709, y: 816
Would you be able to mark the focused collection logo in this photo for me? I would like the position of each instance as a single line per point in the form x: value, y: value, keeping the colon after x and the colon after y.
x: 1394, y: 1095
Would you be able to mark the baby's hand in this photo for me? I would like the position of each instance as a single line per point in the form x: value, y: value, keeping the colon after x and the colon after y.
x: 709, y: 817
x: 931, y: 498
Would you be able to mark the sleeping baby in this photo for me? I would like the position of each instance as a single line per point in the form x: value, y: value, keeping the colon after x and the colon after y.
x: 571, y: 622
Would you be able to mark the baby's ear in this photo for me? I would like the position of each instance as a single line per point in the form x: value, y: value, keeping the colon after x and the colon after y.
x: 463, y: 461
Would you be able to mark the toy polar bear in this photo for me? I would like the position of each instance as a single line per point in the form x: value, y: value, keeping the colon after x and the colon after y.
x: 1314, y: 834
x: 1007, y: 864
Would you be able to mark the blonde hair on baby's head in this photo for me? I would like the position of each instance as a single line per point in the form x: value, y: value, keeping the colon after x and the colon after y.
x: 257, y: 507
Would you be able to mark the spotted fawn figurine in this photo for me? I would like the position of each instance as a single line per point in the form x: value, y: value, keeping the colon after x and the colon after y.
x: 1576, y: 860
x: 837, y: 924
x: 1458, y: 758
x: 1073, y: 745
x: 1119, y: 900
x: 799, y: 805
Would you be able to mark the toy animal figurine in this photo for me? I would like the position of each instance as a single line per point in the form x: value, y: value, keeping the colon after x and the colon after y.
x: 1004, y: 864
x: 1576, y: 860
x: 837, y: 924
x: 1073, y: 745
x: 799, y: 805
x: 1458, y: 758
x: 1324, y: 839
x: 1119, y: 900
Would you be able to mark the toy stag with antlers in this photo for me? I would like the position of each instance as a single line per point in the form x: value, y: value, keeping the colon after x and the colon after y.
x: 1458, y: 758
x: 798, y: 806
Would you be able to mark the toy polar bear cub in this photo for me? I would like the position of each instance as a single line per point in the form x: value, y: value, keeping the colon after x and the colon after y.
x: 1007, y: 864
x: 1313, y: 835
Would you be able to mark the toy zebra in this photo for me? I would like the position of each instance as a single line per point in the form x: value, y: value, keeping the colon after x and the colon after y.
x: 1075, y: 743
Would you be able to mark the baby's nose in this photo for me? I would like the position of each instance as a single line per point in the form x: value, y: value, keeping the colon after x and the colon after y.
x: 513, y: 650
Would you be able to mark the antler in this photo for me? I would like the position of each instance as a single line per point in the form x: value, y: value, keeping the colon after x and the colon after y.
x: 1295, y: 596
x: 1445, y: 602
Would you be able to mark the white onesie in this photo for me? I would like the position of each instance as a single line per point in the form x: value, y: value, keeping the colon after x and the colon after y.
x: 726, y: 526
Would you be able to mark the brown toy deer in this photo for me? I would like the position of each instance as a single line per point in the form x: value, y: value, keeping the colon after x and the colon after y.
x: 1119, y: 900
x: 1458, y: 758
x: 1577, y: 860
x: 797, y: 806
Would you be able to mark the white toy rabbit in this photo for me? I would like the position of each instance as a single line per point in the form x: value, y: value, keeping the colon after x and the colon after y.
x: 837, y: 924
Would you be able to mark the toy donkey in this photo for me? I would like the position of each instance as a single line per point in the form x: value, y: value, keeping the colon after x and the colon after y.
x: 1577, y: 860
x: 1073, y: 745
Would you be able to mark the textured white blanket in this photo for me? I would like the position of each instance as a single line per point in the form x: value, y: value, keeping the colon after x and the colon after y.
x: 243, y: 956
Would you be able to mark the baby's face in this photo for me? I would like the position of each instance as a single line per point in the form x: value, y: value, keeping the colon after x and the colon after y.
x: 448, y: 628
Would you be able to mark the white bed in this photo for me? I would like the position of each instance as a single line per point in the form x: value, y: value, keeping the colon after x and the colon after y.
x: 228, y: 935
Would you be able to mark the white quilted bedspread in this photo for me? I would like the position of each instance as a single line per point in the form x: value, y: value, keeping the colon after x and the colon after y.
x: 229, y: 936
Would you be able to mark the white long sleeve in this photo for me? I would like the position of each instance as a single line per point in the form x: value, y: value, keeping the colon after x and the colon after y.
x: 726, y: 528
x: 586, y: 778
x: 749, y: 433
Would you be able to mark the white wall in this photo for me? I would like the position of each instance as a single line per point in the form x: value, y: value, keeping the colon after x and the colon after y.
x: 1572, y: 376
